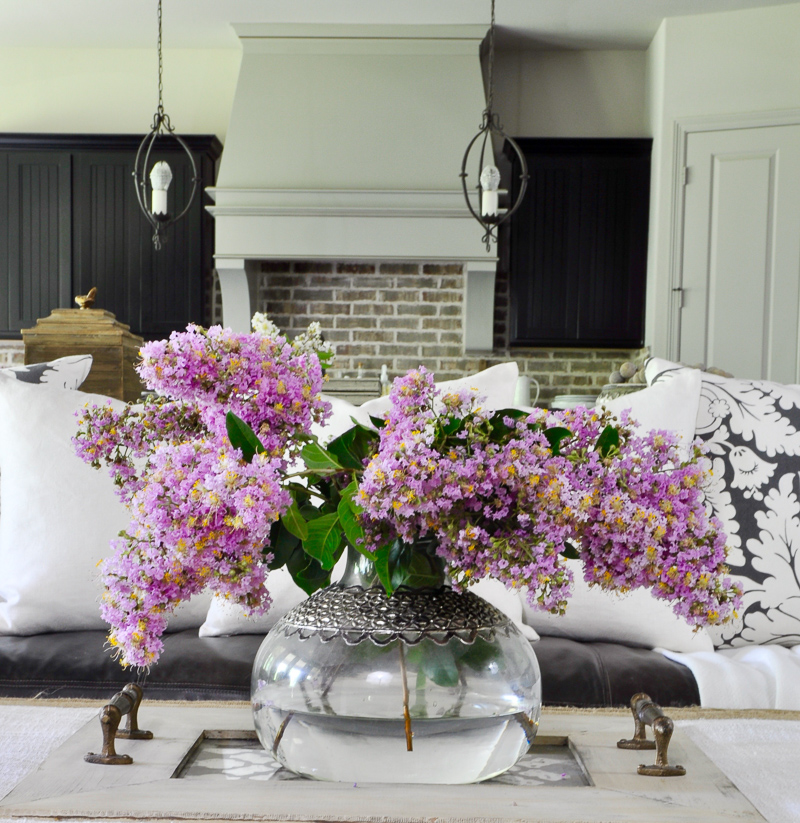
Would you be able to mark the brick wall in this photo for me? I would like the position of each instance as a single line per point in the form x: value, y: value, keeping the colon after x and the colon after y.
x: 404, y: 315
x: 411, y: 314
x: 12, y: 353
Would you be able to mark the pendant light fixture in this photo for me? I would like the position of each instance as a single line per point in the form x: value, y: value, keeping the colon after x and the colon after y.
x: 156, y: 208
x: 489, y: 214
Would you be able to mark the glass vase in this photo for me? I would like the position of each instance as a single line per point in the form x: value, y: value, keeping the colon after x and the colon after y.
x: 426, y: 686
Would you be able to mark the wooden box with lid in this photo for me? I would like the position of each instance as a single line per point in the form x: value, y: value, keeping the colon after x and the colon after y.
x: 113, y: 347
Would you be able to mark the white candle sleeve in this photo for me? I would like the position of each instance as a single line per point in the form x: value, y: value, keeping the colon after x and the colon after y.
x: 489, y: 203
x: 159, y: 202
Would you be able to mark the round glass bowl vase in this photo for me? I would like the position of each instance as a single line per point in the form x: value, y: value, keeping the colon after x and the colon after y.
x: 426, y: 686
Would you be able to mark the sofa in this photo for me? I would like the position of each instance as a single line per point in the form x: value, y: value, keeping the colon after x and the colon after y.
x: 57, y: 516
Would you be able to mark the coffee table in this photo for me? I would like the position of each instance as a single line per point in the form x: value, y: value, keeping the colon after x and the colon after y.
x: 66, y: 786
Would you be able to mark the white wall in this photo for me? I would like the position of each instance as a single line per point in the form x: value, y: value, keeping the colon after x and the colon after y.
x: 115, y: 90
x: 711, y: 64
x: 571, y: 93
x: 344, y: 112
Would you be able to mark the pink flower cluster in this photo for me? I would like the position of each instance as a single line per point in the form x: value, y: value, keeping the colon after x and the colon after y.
x: 273, y: 386
x: 200, y: 514
x: 504, y: 504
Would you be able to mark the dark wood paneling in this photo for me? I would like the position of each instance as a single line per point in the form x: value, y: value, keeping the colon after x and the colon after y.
x: 546, y: 305
x: 37, y: 231
x: 105, y: 239
x: 155, y: 292
x: 578, y: 251
x: 105, y: 208
x: 167, y: 274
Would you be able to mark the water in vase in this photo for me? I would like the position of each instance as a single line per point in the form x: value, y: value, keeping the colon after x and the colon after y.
x: 337, y: 711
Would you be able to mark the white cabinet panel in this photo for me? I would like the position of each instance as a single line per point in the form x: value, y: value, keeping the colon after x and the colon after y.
x: 741, y: 252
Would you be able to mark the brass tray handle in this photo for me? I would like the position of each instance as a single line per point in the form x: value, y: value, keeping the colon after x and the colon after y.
x: 126, y: 702
x: 647, y: 713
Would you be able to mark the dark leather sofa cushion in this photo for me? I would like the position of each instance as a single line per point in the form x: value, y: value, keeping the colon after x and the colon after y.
x: 609, y: 674
x: 75, y: 664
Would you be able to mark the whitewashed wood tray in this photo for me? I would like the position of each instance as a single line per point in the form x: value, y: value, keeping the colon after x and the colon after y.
x: 66, y: 786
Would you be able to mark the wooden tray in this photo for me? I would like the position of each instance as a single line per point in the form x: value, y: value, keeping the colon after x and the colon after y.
x: 66, y: 786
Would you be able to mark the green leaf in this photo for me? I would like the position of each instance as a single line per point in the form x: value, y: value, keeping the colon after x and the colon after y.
x: 498, y: 425
x: 348, y: 511
x: 242, y: 437
x: 310, y: 512
x: 382, y: 567
x: 354, y: 446
x: 439, y: 665
x: 324, y: 536
x: 295, y: 522
x: 307, y: 572
x: 480, y: 654
x: 420, y: 571
x: 555, y: 436
x: 378, y: 422
x: 570, y: 552
x: 282, y: 544
x: 452, y: 425
x: 298, y: 492
x: 608, y: 441
x: 319, y: 460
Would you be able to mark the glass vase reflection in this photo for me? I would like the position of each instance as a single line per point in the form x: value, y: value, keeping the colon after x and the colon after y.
x: 426, y: 686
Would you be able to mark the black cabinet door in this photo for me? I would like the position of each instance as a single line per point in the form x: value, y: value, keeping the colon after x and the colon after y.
x: 578, y: 243
x: 105, y: 217
x: 155, y: 292
x: 70, y: 220
x: 35, y: 236
x: 545, y: 259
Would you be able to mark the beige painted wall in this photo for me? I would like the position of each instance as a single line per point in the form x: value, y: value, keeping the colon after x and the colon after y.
x: 115, y: 90
x: 572, y: 93
x: 713, y: 64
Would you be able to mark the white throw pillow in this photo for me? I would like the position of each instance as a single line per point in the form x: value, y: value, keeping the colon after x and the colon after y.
x: 671, y: 404
x: 633, y: 619
x: 508, y: 601
x: 498, y: 384
x: 59, y: 516
x: 751, y: 429
x: 227, y: 617
x: 66, y: 372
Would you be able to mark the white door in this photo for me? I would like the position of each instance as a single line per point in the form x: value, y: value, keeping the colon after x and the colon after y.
x: 741, y: 252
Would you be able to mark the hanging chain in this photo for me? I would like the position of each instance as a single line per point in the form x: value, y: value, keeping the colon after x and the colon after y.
x: 161, y: 65
x: 490, y: 96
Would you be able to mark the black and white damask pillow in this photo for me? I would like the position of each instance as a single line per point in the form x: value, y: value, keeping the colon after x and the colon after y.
x: 751, y: 429
x: 65, y: 372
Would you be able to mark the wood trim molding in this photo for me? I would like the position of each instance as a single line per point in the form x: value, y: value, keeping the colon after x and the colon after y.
x: 87, y: 142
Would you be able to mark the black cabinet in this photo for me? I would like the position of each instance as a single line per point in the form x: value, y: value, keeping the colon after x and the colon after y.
x: 578, y: 243
x: 69, y: 220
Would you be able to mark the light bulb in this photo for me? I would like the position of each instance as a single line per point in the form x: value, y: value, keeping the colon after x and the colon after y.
x: 160, y: 178
x: 490, y: 182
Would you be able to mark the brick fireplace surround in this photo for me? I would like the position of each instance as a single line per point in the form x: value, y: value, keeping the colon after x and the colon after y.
x: 404, y: 315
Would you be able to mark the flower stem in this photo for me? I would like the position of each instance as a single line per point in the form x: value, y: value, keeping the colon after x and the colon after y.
x: 406, y: 712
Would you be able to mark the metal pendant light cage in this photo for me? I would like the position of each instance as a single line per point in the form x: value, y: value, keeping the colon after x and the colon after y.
x: 489, y: 129
x: 161, y: 129
x: 491, y: 126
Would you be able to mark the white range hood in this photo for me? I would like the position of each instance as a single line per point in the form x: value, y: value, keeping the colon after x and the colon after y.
x: 345, y: 143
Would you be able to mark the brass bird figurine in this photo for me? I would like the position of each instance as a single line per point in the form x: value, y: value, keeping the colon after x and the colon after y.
x: 86, y: 301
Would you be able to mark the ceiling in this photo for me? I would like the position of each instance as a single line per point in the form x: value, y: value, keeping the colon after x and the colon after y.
x: 206, y: 23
